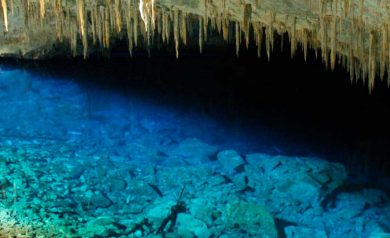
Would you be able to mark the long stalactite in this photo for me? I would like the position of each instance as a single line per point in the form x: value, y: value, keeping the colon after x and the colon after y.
x: 5, y: 13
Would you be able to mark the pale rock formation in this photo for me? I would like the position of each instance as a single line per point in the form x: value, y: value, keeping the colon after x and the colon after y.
x: 353, y: 33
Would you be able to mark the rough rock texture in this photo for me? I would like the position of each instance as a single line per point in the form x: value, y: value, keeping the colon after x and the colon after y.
x: 65, y: 173
x: 351, y: 32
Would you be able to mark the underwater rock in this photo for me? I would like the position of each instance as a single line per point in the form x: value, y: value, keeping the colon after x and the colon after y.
x: 104, y: 221
x: 350, y: 205
x: 229, y: 160
x: 267, y: 162
x: 204, y: 210
x: 100, y: 200
x: 254, y: 219
x: 99, y: 204
x: 193, y: 151
x: 75, y: 172
x: 302, y: 232
x: 300, y: 191
x: 117, y: 184
x: 157, y: 214
x: 99, y: 227
x: 188, y: 226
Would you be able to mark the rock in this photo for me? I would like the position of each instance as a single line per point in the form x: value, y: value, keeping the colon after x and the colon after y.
x: 100, y: 200
x: 75, y: 171
x: 160, y: 211
x: 93, y: 230
x: 254, y: 219
x: 104, y: 221
x: 328, y: 175
x: 302, y: 232
x: 301, y: 191
x: 349, y: 205
x: 229, y: 160
x: 187, y: 225
x: 267, y: 162
x: 193, y: 150
x: 117, y: 184
x: 202, y: 208
x: 379, y: 235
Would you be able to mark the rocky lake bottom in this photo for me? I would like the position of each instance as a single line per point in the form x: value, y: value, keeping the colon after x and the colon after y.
x: 71, y: 170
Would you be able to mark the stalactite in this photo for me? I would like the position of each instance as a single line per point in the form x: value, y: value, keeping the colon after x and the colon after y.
x: 258, y: 30
x: 153, y: 15
x: 147, y: 12
x: 371, y: 61
x: 100, y: 25
x: 305, y: 43
x: 110, y: 14
x: 94, y: 20
x: 176, y: 32
x: 106, y: 28
x: 159, y: 20
x: 5, y: 13
x: 81, y: 17
x: 59, y: 20
x: 73, y: 38
x: 205, y: 27
x: 42, y: 8
x: 118, y: 15
x: 201, y: 34
x: 68, y: 23
x: 324, y: 41
x: 388, y: 61
x: 135, y: 29
x: 58, y: 6
x: 384, y: 50
x: 205, y: 20
x: 351, y: 64
x: 213, y: 23
x: 293, y: 40
x: 347, y: 5
x: 246, y: 22
x: 333, y: 43
x: 272, y: 16
x: 219, y: 24
x: 163, y: 26
x: 225, y: 28
x: 183, y: 28
x: 238, y: 33
x: 129, y: 27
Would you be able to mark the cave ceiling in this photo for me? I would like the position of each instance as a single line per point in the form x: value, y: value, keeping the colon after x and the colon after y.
x: 352, y: 33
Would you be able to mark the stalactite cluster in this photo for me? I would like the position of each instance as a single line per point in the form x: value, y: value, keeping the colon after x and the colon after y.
x: 338, y: 30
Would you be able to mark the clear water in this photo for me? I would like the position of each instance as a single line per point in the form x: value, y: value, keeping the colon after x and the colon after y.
x: 78, y: 160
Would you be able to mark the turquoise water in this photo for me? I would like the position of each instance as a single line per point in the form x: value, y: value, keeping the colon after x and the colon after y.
x: 79, y: 160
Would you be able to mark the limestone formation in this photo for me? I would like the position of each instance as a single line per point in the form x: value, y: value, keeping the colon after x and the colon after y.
x: 353, y: 33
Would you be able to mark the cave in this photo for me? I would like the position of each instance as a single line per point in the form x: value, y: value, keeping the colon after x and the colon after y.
x: 198, y: 118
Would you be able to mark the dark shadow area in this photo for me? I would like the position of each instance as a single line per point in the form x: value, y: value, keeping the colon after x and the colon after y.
x: 289, y: 106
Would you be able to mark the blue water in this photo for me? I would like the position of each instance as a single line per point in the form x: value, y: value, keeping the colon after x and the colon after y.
x: 58, y: 109
x: 81, y: 160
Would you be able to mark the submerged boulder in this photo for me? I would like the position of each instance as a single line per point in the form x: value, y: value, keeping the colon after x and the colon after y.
x: 229, y: 160
x: 193, y: 151
x: 252, y: 219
